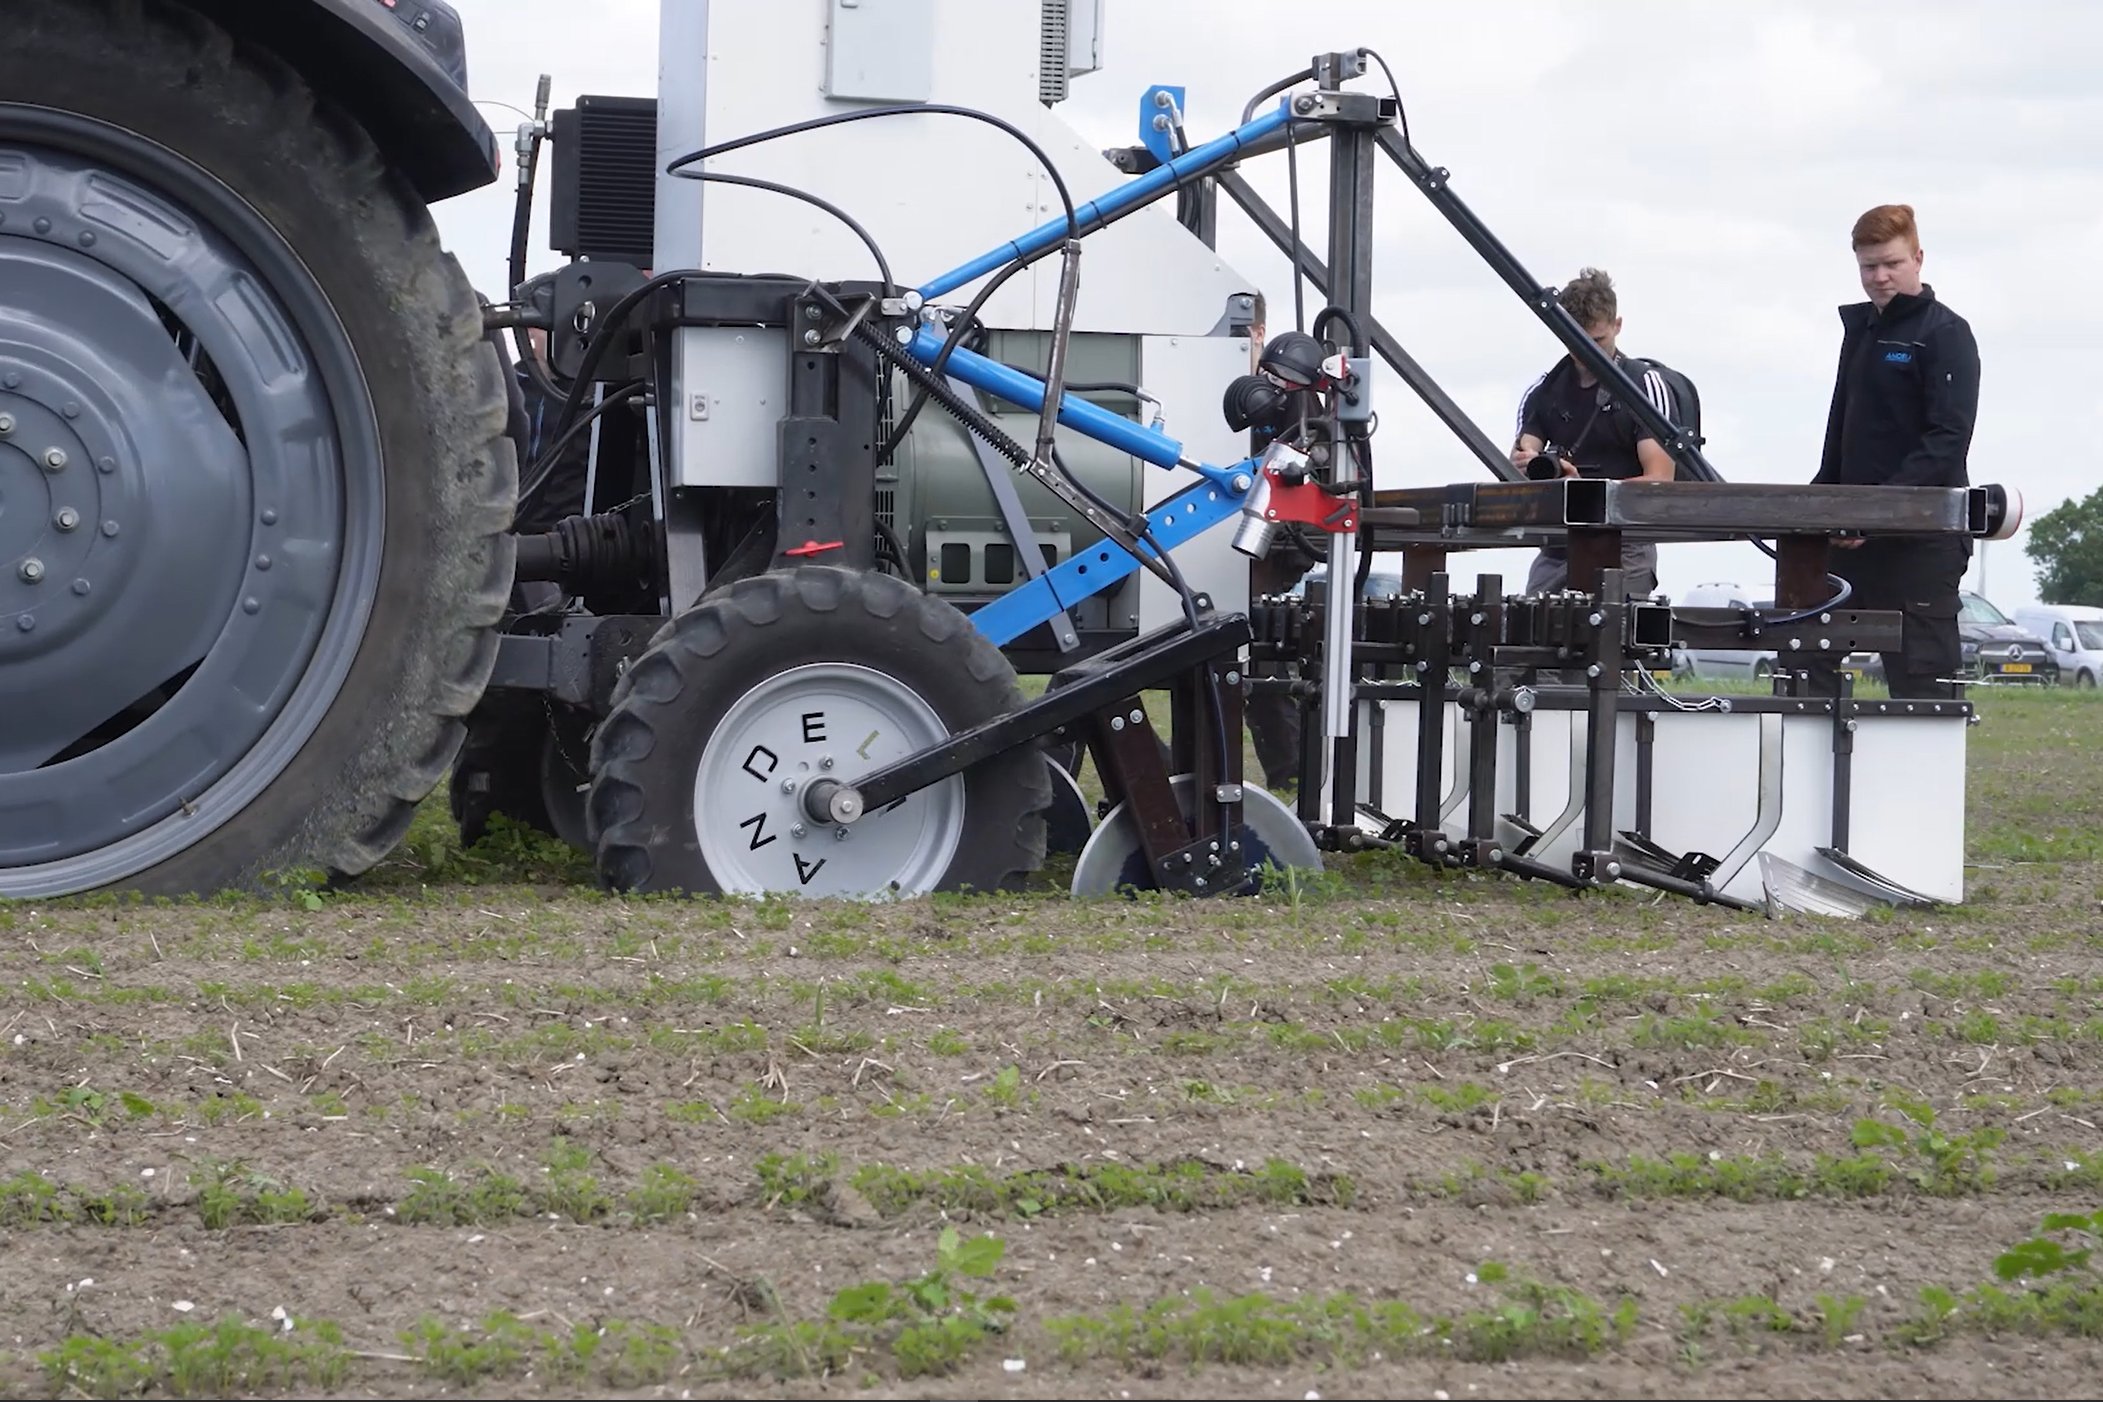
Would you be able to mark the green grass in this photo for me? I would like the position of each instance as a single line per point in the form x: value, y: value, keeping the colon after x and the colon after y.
x: 618, y: 1353
x: 1527, y: 1319
x: 223, y: 1359
x: 1182, y: 1186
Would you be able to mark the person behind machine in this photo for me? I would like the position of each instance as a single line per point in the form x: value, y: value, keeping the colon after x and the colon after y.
x: 1589, y: 432
x: 1904, y: 402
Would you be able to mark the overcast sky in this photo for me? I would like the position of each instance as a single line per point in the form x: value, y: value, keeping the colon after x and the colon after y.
x: 1711, y: 157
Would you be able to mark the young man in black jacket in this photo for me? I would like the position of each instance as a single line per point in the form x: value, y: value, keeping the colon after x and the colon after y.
x: 1904, y: 402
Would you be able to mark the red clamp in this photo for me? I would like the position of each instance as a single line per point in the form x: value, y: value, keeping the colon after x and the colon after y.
x: 1308, y: 505
x: 813, y: 547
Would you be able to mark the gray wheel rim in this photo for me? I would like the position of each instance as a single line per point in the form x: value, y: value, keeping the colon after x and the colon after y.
x: 246, y: 562
x: 824, y: 720
x: 1104, y: 860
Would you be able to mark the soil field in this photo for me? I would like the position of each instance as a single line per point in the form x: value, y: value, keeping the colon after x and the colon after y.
x: 469, y: 1127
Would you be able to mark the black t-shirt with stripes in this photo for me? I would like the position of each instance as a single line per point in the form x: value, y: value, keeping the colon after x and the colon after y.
x: 1587, y: 422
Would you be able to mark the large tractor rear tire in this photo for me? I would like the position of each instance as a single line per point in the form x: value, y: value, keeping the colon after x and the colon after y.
x: 254, y: 488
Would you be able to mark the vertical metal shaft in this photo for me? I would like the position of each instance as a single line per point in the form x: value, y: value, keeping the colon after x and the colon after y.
x: 1062, y: 329
x: 1351, y: 166
x: 1337, y: 676
x: 1604, y: 723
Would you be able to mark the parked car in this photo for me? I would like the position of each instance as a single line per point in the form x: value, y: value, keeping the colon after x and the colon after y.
x: 1997, y: 650
x: 1720, y: 663
x: 2074, y: 633
x: 1379, y: 584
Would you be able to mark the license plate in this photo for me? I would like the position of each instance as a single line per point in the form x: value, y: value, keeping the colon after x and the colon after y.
x: 2015, y: 667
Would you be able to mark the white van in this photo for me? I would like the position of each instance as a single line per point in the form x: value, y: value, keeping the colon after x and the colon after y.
x: 2074, y: 633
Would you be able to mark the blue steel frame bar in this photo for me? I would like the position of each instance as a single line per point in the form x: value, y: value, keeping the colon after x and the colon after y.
x: 1163, y: 179
x: 1183, y: 516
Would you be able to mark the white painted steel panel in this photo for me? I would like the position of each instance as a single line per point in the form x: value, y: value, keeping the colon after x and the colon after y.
x: 1907, y: 818
x: 934, y: 191
x: 880, y: 50
x: 733, y: 391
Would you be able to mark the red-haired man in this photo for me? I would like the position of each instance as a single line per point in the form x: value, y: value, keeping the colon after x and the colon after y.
x: 1903, y: 407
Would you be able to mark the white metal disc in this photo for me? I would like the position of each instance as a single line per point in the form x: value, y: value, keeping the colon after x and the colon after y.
x: 826, y: 720
x: 1114, y: 859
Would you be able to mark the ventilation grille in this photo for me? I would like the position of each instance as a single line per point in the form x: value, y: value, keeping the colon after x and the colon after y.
x: 604, y: 204
x: 1055, y: 49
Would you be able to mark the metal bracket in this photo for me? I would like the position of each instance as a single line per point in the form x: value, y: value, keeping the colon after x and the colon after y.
x: 1768, y: 815
x: 1002, y: 483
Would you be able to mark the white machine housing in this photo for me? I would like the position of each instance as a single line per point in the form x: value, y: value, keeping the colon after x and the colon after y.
x: 934, y: 192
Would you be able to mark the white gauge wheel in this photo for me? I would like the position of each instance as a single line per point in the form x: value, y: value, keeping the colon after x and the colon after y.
x: 1113, y: 858
x: 826, y: 720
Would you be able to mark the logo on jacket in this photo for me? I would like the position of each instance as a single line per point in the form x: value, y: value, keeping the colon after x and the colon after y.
x: 1898, y: 357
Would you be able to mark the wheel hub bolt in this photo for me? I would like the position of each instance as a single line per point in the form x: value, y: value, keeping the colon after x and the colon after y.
x: 1137, y: 717
x: 825, y: 763
x: 1117, y: 722
x: 840, y: 834
x: 797, y: 830
x: 32, y: 570
x: 788, y: 786
x: 55, y: 459
x: 7, y: 424
x: 67, y: 519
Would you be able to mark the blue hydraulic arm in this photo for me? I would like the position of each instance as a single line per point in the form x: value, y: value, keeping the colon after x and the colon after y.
x: 1190, y: 512
x: 1192, y: 164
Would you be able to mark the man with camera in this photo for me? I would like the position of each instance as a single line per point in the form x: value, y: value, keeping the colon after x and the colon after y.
x: 1571, y: 425
x: 1904, y: 401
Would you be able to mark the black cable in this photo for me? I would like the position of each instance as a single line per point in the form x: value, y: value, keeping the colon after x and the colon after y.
x: 521, y: 228
x: 1359, y: 345
x: 1401, y: 112
x: 1847, y: 591
x: 1249, y: 111
x: 949, y: 346
x: 1085, y: 386
x: 937, y: 389
x: 1363, y: 451
x: 1073, y: 222
x: 883, y: 265
x: 1141, y: 526
x: 896, y: 548
x: 544, y: 462
x: 528, y: 359
x: 602, y: 337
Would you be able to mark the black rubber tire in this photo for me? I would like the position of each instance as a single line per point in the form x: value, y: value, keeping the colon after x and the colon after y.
x: 498, y: 766
x: 646, y: 753
x: 432, y: 386
x: 2085, y: 681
